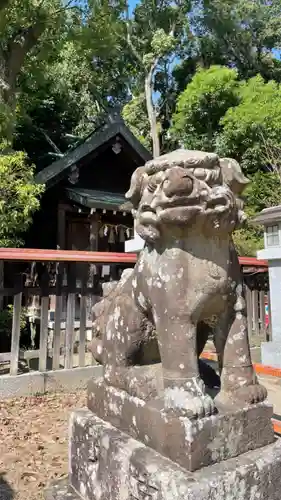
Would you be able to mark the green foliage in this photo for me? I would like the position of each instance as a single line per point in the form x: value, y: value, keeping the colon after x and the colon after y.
x: 247, y: 242
x: 71, y: 66
x: 240, y: 34
x: 237, y: 119
x: 6, y: 119
x: 159, y: 26
x: 242, y: 120
x: 201, y: 106
x: 24, y: 25
x: 135, y: 117
x: 70, y: 60
x: 6, y: 320
x: 264, y: 191
x: 248, y: 127
x: 69, y: 79
x: 155, y: 35
x: 162, y: 43
x: 19, y: 196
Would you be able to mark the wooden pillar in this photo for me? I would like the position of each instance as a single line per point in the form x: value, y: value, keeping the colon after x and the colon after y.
x: 249, y: 310
x: 60, y: 300
x: 262, y: 311
x: 61, y: 233
x: 1, y: 284
x: 93, y: 237
x: 94, y: 233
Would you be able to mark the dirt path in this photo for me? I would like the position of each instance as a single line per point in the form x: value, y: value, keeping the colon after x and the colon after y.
x: 34, y: 443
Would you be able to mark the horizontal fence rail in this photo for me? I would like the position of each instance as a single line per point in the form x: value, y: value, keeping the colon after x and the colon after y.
x: 48, y: 298
x: 36, y: 254
x: 54, y: 291
x: 39, y: 255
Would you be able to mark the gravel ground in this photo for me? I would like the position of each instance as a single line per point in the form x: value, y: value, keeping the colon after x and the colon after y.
x: 34, y: 443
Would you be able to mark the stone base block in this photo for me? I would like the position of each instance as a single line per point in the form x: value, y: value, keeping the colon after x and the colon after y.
x: 61, y: 490
x: 190, y: 443
x: 107, y: 464
x: 271, y: 354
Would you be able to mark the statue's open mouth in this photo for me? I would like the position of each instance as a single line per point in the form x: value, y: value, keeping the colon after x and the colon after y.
x: 147, y: 214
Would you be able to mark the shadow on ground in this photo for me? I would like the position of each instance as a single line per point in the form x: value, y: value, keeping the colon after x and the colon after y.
x: 6, y: 491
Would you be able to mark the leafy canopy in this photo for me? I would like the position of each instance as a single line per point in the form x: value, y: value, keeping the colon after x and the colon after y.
x: 264, y: 191
x: 18, y: 196
x: 238, y: 33
x: 250, y: 129
x: 135, y: 117
x: 239, y: 119
x: 202, y: 105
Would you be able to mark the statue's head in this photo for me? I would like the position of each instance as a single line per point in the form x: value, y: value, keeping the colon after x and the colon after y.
x: 187, y: 189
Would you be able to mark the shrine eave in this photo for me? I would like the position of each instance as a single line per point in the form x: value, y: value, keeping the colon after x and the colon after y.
x: 91, y: 198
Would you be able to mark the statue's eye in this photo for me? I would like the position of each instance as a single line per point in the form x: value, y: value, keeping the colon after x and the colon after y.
x: 151, y: 186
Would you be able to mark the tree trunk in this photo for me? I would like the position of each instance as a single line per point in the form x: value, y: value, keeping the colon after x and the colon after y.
x: 11, y: 63
x: 151, y: 111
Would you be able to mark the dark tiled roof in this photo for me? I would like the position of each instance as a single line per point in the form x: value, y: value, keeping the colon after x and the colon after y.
x: 113, y: 126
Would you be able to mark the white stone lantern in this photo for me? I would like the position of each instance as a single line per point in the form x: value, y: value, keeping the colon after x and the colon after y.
x: 135, y: 245
x: 270, y: 218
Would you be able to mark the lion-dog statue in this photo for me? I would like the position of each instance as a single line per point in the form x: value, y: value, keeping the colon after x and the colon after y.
x: 148, y: 352
x: 187, y: 282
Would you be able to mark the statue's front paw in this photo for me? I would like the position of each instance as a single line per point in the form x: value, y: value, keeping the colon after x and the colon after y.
x: 251, y: 394
x: 188, y: 404
x: 244, y: 395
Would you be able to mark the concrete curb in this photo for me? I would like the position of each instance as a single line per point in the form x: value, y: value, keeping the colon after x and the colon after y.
x: 259, y: 368
x: 29, y: 384
x: 276, y: 426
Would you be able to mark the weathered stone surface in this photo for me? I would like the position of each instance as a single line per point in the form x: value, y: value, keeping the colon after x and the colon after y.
x: 149, y: 352
x: 190, y: 443
x: 61, y: 490
x: 106, y: 464
x: 186, y: 283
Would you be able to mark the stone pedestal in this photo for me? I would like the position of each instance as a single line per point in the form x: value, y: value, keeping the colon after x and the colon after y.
x: 192, y: 444
x: 125, y: 447
x: 107, y: 464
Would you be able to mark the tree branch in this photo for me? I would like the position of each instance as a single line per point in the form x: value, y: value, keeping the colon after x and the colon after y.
x: 132, y: 47
x: 50, y: 141
x: 18, y: 48
x: 151, y: 109
x: 68, y: 6
x: 271, y: 155
x: 23, y: 41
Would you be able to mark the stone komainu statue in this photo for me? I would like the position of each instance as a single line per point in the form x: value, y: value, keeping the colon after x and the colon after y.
x: 186, y: 282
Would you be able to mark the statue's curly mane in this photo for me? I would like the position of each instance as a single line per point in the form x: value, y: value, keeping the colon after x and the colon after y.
x: 183, y: 186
